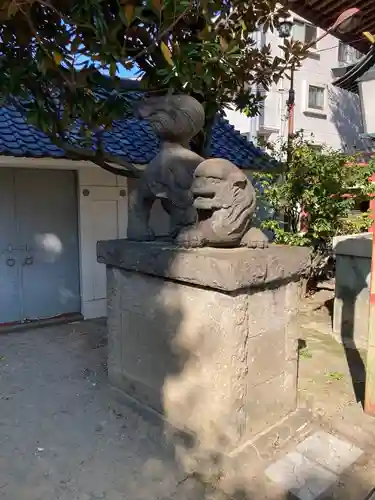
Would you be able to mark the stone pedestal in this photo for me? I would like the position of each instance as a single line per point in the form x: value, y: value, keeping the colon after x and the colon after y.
x: 352, y: 291
x: 201, y: 336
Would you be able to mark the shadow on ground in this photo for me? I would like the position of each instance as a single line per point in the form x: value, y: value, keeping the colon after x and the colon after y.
x: 349, y: 297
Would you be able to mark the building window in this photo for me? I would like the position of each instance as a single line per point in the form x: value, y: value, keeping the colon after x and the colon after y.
x: 263, y: 139
x: 316, y: 147
x: 316, y: 98
x: 347, y: 54
x: 304, y: 32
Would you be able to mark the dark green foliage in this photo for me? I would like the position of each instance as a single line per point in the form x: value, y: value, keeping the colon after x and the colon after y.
x: 52, y: 50
x: 326, y: 183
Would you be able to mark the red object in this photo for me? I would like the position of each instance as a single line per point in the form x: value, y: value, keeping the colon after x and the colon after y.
x: 303, y: 221
x: 372, y: 207
x: 345, y: 20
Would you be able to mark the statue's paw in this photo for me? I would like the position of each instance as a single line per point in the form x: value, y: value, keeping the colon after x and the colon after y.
x: 255, y: 238
x: 190, y: 238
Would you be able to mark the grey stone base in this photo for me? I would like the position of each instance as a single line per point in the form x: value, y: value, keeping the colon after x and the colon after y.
x: 243, y: 464
x: 213, y: 354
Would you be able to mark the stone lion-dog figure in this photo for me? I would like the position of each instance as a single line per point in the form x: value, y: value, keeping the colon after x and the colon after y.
x: 175, y: 119
x: 225, y: 200
x: 210, y: 202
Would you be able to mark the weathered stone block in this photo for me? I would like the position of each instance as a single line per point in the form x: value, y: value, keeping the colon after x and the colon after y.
x: 201, y: 336
x: 351, y: 305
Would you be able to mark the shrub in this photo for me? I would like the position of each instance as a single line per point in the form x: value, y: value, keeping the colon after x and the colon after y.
x: 325, y: 183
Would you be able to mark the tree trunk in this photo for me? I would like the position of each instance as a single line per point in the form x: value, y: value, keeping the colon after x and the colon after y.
x: 201, y: 143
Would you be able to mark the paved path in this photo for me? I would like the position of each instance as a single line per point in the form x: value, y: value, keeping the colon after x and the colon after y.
x: 59, y: 439
x: 314, y: 466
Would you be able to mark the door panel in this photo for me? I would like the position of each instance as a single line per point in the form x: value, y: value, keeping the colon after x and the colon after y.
x: 103, y: 211
x: 104, y: 218
x: 46, y: 208
x: 10, y: 255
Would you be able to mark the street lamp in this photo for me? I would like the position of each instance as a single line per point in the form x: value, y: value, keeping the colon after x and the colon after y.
x: 285, y: 28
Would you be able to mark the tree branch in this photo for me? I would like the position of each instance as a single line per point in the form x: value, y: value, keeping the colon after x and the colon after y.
x: 117, y: 171
x: 151, y: 47
x: 100, y: 158
x: 103, y: 160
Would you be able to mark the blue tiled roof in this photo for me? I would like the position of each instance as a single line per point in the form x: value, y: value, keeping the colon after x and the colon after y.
x: 132, y: 139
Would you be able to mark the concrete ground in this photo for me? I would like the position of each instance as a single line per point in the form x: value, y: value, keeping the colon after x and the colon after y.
x: 332, y: 379
x: 59, y: 438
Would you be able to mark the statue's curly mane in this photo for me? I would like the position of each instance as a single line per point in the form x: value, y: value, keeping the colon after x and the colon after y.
x: 174, y: 118
x: 237, y: 195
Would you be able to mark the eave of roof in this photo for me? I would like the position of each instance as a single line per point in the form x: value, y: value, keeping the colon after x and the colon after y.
x: 347, y: 78
x: 323, y: 13
x: 131, y: 139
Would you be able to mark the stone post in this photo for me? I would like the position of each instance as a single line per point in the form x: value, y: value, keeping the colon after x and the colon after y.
x: 352, y: 290
x: 201, y: 336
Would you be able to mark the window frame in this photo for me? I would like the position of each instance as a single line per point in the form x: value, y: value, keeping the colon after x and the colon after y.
x: 314, y: 47
x: 320, y: 93
x: 352, y: 55
x: 320, y: 112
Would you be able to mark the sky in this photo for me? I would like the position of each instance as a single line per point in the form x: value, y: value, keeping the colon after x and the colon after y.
x: 124, y: 73
x: 121, y: 71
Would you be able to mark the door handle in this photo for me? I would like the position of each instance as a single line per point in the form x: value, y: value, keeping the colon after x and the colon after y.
x: 11, y: 248
x: 29, y: 261
x: 11, y: 262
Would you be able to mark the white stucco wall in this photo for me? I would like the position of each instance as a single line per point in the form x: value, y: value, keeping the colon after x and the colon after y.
x: 339, y: 126
x: 102, y: 214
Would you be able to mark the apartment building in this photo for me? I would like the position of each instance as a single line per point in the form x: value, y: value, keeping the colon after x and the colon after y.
x: 332, y: 116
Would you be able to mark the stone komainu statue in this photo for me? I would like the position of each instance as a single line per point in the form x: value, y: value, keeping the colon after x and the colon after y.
x: 225, y: 201
x: 175, y: 119
x: 211, y: 202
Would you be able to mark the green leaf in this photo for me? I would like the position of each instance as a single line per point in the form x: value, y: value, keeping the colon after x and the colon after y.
x: 112, y: 69
x: 166, y: 53
x: 12, y: 8
x: 243, y: 25
x: 157, y: 5
x: 129, y: 13
x: 57, y: 57
x: 205, y: 48
x: 223, y: 44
